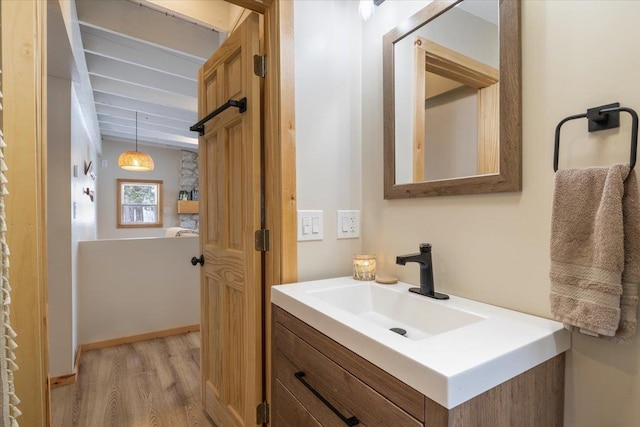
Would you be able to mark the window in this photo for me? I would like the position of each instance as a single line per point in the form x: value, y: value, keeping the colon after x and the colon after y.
x: 139, y: 203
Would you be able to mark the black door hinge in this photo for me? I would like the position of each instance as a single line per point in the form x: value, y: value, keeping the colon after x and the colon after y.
x: 262, y: 240
x: 260, y: 65
x: 262, y: 413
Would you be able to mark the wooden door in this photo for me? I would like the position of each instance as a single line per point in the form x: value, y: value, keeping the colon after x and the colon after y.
x: 231, y: 279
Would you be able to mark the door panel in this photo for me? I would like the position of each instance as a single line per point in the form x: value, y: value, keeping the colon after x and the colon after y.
x: 230, y: 214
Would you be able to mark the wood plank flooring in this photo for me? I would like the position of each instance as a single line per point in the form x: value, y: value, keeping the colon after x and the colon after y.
x: 149, y: 383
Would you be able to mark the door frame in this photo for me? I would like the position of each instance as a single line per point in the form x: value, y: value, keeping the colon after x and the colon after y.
x: 281, y: 261
x: 24, y: 23
x: 25, y: 127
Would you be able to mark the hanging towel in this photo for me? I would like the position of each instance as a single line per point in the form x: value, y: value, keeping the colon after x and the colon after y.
x: 595, y: 251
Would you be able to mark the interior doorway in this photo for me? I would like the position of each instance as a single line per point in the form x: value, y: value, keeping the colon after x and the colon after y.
x: 279, y: 165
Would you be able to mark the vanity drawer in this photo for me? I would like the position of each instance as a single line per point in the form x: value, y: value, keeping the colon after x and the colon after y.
x: 346, y: 393
x: 391, y: 388
x: 290, y: 411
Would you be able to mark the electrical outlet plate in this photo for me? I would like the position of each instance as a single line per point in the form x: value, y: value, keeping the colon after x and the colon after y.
x: 310, y: 225
x: 348, y: 224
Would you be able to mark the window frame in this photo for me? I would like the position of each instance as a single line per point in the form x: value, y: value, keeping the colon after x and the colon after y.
x: 121, y: 224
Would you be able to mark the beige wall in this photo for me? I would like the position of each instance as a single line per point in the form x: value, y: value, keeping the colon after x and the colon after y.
x: 495, y: 248
x: 327, y: 69
x: 167, y: 169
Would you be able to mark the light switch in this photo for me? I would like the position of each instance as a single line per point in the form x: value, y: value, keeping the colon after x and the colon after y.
x: 348, y: 224
x: 310, y: 225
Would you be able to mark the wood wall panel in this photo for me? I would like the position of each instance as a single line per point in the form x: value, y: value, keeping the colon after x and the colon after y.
x: 236, y: 185
x: 219, y: 165
x: 214, y: 359
x: 212, y: 92
x: 233, y: 73
x: 236, y: 352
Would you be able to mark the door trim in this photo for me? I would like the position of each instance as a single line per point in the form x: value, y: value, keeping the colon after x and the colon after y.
x: 25, y: 126
x: 280, y: 193
x: 281, y: 264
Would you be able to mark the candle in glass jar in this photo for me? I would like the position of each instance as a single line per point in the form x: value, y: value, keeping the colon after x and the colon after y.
x: 364, y: 267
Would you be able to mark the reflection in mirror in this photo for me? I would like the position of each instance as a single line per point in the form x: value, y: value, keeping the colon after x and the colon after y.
x: 446, y: 71
x: 449, y: 68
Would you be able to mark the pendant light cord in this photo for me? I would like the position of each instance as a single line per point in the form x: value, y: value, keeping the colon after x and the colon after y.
x: 136, y: 131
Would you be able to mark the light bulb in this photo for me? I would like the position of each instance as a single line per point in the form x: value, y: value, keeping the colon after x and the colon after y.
x: 366, y: 9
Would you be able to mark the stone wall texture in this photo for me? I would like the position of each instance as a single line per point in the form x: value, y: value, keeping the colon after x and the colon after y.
x: 188, y: 182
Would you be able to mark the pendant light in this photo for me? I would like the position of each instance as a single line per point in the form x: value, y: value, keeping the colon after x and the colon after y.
x: 135, y: 160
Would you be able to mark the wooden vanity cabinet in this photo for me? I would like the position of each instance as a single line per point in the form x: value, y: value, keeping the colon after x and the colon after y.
x: 346, y: 385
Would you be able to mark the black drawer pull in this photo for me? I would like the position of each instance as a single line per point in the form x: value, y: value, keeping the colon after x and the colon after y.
x: 353, y: 421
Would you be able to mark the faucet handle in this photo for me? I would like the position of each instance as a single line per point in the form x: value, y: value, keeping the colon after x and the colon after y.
x: 425, y: 248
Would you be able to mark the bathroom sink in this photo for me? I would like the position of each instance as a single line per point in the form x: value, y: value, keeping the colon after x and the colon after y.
x: 392, y: 307
x: 453, y: 349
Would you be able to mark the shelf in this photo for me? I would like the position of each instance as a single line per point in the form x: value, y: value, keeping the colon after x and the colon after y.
x: 188, y: 206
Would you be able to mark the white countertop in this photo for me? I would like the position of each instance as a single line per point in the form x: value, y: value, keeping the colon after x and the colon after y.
x: 449, y: 367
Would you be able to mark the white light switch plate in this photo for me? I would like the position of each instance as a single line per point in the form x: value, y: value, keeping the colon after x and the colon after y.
x: 310, y: 226
x: 348, y: 224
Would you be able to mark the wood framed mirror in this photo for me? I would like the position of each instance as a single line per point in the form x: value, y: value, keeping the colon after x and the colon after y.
x: 452, y: 100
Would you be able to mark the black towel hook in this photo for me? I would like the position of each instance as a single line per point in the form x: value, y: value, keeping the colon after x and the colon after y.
x: 601, y: 118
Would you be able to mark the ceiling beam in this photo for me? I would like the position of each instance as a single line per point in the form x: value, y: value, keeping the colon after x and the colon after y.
x: 126, y: 50
x: 144, y: 123
x: 109, y: 134
x: 144, y: 134
x: 141, y: 93
x: 144, y: 107
x: 123, y: 71
x: 220, y: 15
x: 135, y: 21
x: 123, y: 113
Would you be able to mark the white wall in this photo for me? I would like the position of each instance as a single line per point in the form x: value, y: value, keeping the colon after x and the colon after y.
x: 134, y: 286
x: 83, y: 223
x: 167, y: 169
x: 495, y: 248
x: 67, y: 146
x: 59, y: 268
x: 327, y: 70
x: 71, y: 216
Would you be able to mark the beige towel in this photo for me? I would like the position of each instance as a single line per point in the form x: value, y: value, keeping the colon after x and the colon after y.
x: 595, y: 251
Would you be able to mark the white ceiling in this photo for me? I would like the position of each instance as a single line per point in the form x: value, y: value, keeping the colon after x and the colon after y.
x: 140, y: 59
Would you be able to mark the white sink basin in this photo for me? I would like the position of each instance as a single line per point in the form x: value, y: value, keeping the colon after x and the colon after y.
x: 392, y: 307
x: 454, y: 349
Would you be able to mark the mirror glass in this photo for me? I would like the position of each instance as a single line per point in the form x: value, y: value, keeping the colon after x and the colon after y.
x: 443, y: 72
x: 439, y: 73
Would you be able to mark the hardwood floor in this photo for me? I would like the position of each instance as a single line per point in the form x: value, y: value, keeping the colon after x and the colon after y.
x: 148, y: 383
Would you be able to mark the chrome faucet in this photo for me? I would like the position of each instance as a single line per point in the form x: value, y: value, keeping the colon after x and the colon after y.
x: 426, y: 271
